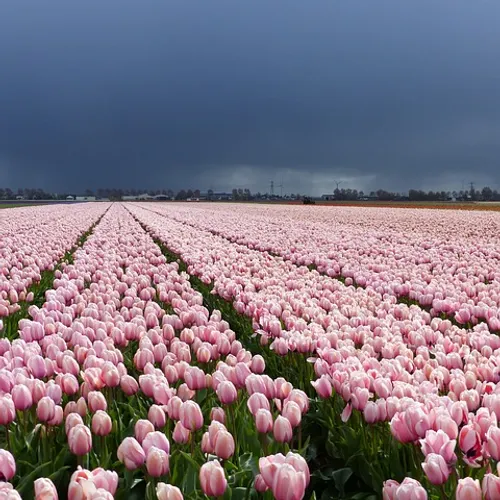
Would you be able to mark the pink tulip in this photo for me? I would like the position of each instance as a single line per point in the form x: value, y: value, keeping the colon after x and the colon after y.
x: 174, y: 407
x: 101, y: 423
x: 389, y: 490
x: 218, y: 414
x: 224, y: 445
x: 142, y: 428
x: 469, y: 441
x: 440, y: 443
x: 22, y: 398
x: 157, y: 416
x: 129, y: 385
x: 206, y: 445
x: 226, y: 392
x: 168, y: 492
x: 468, y: 489
x: 105, y: 479
x: 157, y: 462
x: 323, y: 387
x: 299, y: 464
x: 81, y: 407
x: 69, y: 384
x: 72, y: 420
x: 79, y: 440
x: 212, y: 479
x: 46, y: 409
x: 258, y: 365
x: 131, y: 454
x: 96, y: 401
x: 7, y: 410
x: 45, y: 489
x: 288, y: 484
x: 263, y: 421
x: 493, y: 442
x: 7, y: 465
x: 491, y: 487
x: 410, y: 489
x: 292, y: 413
x: 282, y: 430
x: 436, y: 469
x: 181, y: 434
x: 101, y: 494
x: 157, y: 439
x: 299, y: 397
x: 190, y: 416
x: 260, y: 484
x: 57, y: 418
x: 257, y: 401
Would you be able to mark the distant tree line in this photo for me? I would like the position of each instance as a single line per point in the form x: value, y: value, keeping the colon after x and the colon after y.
x: 239, y: 194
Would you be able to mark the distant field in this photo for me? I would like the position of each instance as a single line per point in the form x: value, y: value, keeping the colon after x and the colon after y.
x: 14, y: 205
x: 483, y: 205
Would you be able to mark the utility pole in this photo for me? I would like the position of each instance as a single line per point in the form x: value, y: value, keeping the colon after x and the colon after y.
x: 272, y: 188
x: 281, y: 188
x: 338, y: 184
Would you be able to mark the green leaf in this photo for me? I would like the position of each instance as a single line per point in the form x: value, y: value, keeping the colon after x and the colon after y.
x: 26, y: 484
x: 340, y: 477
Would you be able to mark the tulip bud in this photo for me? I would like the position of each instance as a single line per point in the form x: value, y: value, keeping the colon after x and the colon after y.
x: 436, y: 469
x: 45, y: 489
x: 264, y: 421
x: 7, y: 465
x: 218, y: 414
x: 212, y: 479
x: 191, y: 416
x: 131, y: 454
x: 46, y: 409
x: 291, y: 411
x: 101, y: 423
x: 97, y: 401
x: 180, y: 434
x: 282, y: 430
x: 157, y: 462
x: 22, y: 398
x: 226, y: 392
x: 206, y: 445
x: 129, y: 385
x: 468, y: 489
x: 168, y: 492
x: 80, y: 440
x: 410, y: 488
x: 389, y: 489
x: 157, y: 439
x: 224, y: 445
x: 156, y: 416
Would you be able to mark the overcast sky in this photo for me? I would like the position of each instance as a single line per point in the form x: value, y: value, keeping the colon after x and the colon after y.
x: 236, y: 93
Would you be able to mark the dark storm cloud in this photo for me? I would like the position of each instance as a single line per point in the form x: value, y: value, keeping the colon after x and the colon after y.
x: 224, y: 93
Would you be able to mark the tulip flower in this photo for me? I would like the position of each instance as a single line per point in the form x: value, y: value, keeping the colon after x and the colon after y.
x: 212, y: 479
x: 468, y: 489
x: 142, y: 428
x: 45, y: 489
x: 101, y: 423
x: 436, y: 469
x: 282, y: 430
x: 79, y: 440
x: 7, y: 465
x: 190, y: 415
x: 168, y: 492
x: 131, y: 454
x: 157, y: 462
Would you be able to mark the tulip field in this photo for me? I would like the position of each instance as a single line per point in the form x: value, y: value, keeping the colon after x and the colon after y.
x: 236, y: 351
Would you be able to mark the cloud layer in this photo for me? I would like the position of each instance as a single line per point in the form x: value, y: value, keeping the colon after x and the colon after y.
x: 218, y: 94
